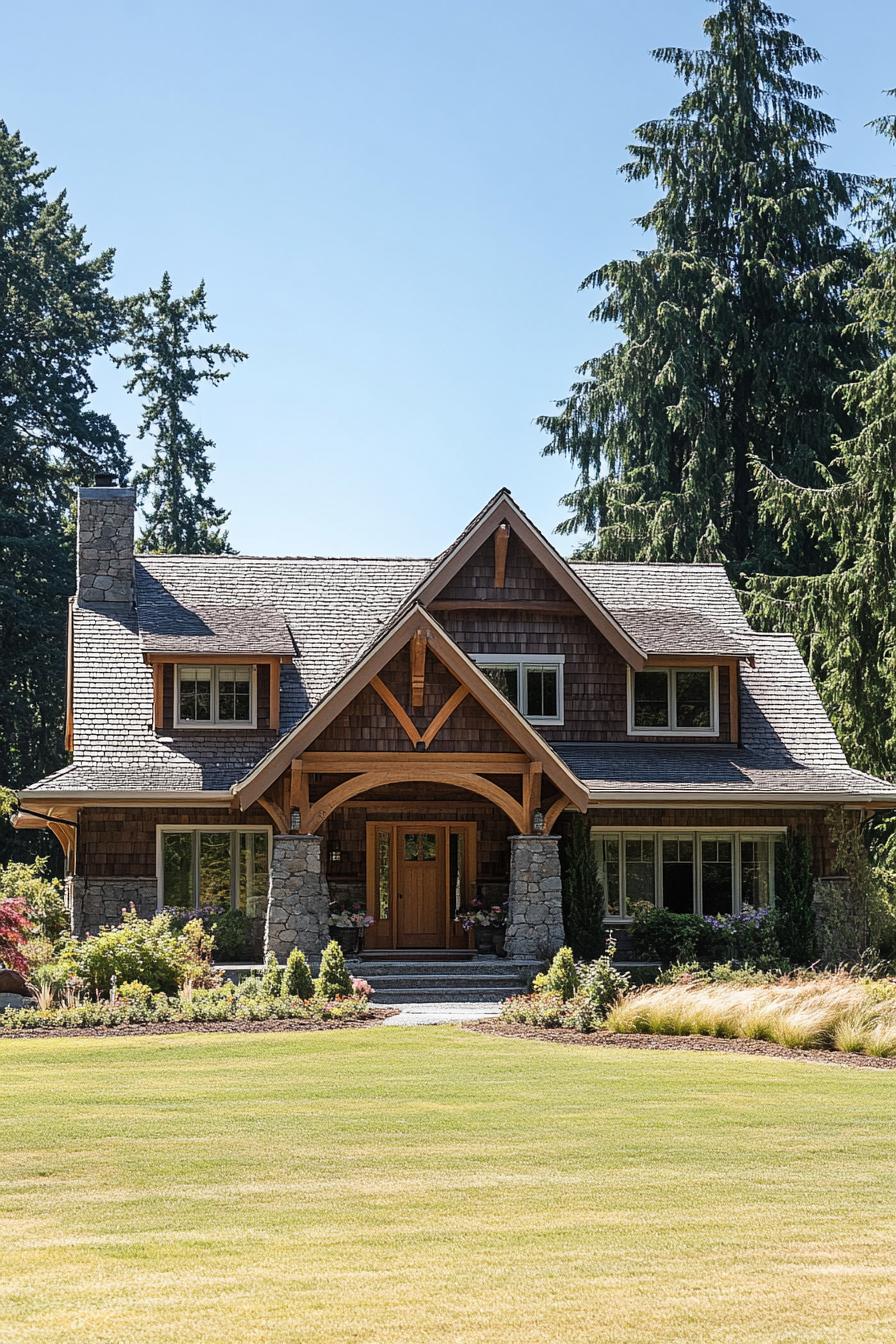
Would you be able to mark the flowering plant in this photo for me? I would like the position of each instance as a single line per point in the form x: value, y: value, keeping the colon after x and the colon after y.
x: 479, y: 915
x: 354, y: 916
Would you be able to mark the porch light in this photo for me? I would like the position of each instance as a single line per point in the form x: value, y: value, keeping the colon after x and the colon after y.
x: 335, y: 855
x: 295, y: 821
x: 538, y: 822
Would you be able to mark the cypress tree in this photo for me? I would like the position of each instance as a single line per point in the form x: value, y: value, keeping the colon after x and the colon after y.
x: 845, y: 619
x: 732, y: 319
x: 56, y: 315
x: 167, y: 369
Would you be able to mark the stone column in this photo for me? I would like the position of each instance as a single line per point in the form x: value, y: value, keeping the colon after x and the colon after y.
x: 535, y: 909
x: 298, y: 900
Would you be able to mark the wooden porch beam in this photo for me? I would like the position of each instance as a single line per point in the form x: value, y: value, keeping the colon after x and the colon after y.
x: 412, y: 763
x: 298, y: 789
x: 437, y: 723
x: 276, y: 814
x: 553, y: 812
x: 502, y: 537
x: 418, y: 669
x: 376, y: 779
x: 531, y: 792
x: 392, y: 702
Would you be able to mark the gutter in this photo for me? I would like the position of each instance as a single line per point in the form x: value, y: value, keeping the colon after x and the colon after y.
x: 785, y: 797
x: 137, y: 798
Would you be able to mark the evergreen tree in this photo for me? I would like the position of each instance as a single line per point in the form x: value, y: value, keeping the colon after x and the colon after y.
x: 845, y: 619
x: 56, y: 315
x: 732, y: 320
x: 167, y: 368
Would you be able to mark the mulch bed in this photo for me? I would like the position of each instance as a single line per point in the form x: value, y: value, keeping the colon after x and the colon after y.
x: 178, y: 1028
x: 707, y: 1044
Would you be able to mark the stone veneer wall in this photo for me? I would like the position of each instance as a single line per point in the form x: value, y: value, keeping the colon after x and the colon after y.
x: 535, y: 912
x: 298, y: 899
x: 106, y: 545
x: 95, y: 901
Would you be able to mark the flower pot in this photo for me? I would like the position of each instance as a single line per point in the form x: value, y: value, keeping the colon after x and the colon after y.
x: 348, y: 940
x: 498, y: 937
x: 484, y: 937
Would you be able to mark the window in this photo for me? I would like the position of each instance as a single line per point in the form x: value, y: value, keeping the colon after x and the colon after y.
x: 217, y: 696
x: 700, y: 872
x: 666, y: 700
x: 533, y: 682
x: 214, y: 865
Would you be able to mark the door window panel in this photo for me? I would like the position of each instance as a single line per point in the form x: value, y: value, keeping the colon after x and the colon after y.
x: 383, y: 873
x: 678, y: 874
x: 717, y: 874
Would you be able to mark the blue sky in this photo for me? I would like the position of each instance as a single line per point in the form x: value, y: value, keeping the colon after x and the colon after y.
x: 392, y: 204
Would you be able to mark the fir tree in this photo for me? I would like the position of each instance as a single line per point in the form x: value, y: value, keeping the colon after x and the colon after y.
x: 167, y: 369
x: 732, y: 320
x: 56, y: 315
x: 845, y: 619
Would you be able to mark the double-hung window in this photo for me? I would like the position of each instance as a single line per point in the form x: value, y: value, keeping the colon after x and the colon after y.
x: 221, y: 696
x: 532, y: 682
x: 664, y: 701
x: 689, y: 872
x: 214, y: 865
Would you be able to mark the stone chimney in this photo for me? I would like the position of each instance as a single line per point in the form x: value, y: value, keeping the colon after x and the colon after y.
x: 106, y: 544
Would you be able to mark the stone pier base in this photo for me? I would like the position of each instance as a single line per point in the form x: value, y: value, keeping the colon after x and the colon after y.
x: 535, y: 908
x: 298, y: 900
x: 95, y: 901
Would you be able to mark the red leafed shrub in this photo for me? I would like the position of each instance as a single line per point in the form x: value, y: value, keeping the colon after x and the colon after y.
x: 14, y: 929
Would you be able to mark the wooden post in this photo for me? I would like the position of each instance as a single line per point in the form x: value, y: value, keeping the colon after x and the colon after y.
x: 418, y: 669
x: 502, y: 537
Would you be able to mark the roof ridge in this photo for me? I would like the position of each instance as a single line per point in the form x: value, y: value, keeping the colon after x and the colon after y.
x: 141, y: 556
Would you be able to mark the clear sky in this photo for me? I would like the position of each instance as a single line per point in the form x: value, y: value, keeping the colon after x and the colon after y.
x: 392, y: 203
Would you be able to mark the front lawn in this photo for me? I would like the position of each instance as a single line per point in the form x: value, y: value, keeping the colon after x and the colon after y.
x: 433, y: 1184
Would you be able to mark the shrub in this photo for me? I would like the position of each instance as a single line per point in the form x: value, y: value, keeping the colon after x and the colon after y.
x: 146, y: 950
x: 560, y: 978
x: 14, y: 929
x: 793, y: 900
x: 663, y: 936
x: 41, y: 895
x: 542, y: 1009
x: 583, y: 896
x: 297, y: 979
x: 600, y: 984
x: 230, y: 929
x: 334, y: 980
x: 134, y: 992
x: 272, y: 976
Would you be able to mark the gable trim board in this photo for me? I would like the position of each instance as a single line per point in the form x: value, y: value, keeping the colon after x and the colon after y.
x: 412, y: 622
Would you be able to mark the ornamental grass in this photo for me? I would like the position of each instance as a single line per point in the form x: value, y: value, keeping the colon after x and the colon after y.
x: 826, y: 1012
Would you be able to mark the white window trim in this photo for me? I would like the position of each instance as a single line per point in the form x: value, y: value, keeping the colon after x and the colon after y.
x: 711, y: 731
x: 214, y: 721
x: 162, y: 831
x: 521, y: 661
x: 658, y: 833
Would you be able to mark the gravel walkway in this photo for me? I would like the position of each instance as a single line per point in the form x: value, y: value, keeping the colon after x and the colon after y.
x: 436, y: 1014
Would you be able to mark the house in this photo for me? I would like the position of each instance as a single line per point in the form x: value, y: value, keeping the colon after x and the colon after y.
x: 278, y: 733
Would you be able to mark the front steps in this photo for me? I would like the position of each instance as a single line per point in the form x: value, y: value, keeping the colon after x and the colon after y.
x: 428, y: 980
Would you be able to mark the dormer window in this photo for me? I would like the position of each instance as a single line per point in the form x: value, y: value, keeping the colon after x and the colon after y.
x: 217, y: 696
x: 532, y: 682
x: 673, y: 701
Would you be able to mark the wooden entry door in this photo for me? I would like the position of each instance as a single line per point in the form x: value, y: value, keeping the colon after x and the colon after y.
x: 419, y: 886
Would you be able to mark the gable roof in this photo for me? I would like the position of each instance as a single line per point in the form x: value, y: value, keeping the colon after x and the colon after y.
x: 373, y: 659
x: 502, y: 508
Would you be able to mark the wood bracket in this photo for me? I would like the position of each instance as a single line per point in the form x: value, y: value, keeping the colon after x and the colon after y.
x: 502, y: 537
x: 439, y: 720
x: 418, y: 669
x: 392, y: 703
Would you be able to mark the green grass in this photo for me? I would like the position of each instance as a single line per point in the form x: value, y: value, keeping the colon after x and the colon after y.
x: 401, y: 1185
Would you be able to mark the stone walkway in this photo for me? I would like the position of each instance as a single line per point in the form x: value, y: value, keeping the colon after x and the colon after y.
x: 435, y: 1014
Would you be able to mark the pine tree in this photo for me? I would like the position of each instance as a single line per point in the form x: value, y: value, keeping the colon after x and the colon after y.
x: 845, y: 619
x: 732, y: 321
x: 167, y: 369
x: 56, y: 315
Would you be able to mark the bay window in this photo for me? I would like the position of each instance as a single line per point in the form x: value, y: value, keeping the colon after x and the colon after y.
x: 532, y: 682
x: 664, y: 701
x: 214, y: 865
x: 688, y: 872
x: 220, y: 695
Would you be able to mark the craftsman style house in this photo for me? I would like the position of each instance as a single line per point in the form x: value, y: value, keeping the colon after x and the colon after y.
x: 278, y: 734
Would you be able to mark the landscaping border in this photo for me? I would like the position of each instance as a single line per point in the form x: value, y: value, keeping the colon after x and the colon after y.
x: 279, y: 1024
x: 651, y: 1041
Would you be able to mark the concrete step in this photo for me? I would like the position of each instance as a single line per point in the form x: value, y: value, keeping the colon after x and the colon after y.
x: 508, y: 984
x: 441, y: 995
x: 520, y: 970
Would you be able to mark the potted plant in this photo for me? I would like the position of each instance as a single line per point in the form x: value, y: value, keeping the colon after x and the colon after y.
x: 347, y: 925
x: 477, y: 916
x: 498, y: 921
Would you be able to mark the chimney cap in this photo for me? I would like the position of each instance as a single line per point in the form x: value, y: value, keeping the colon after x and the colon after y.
x: 103, y: 478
